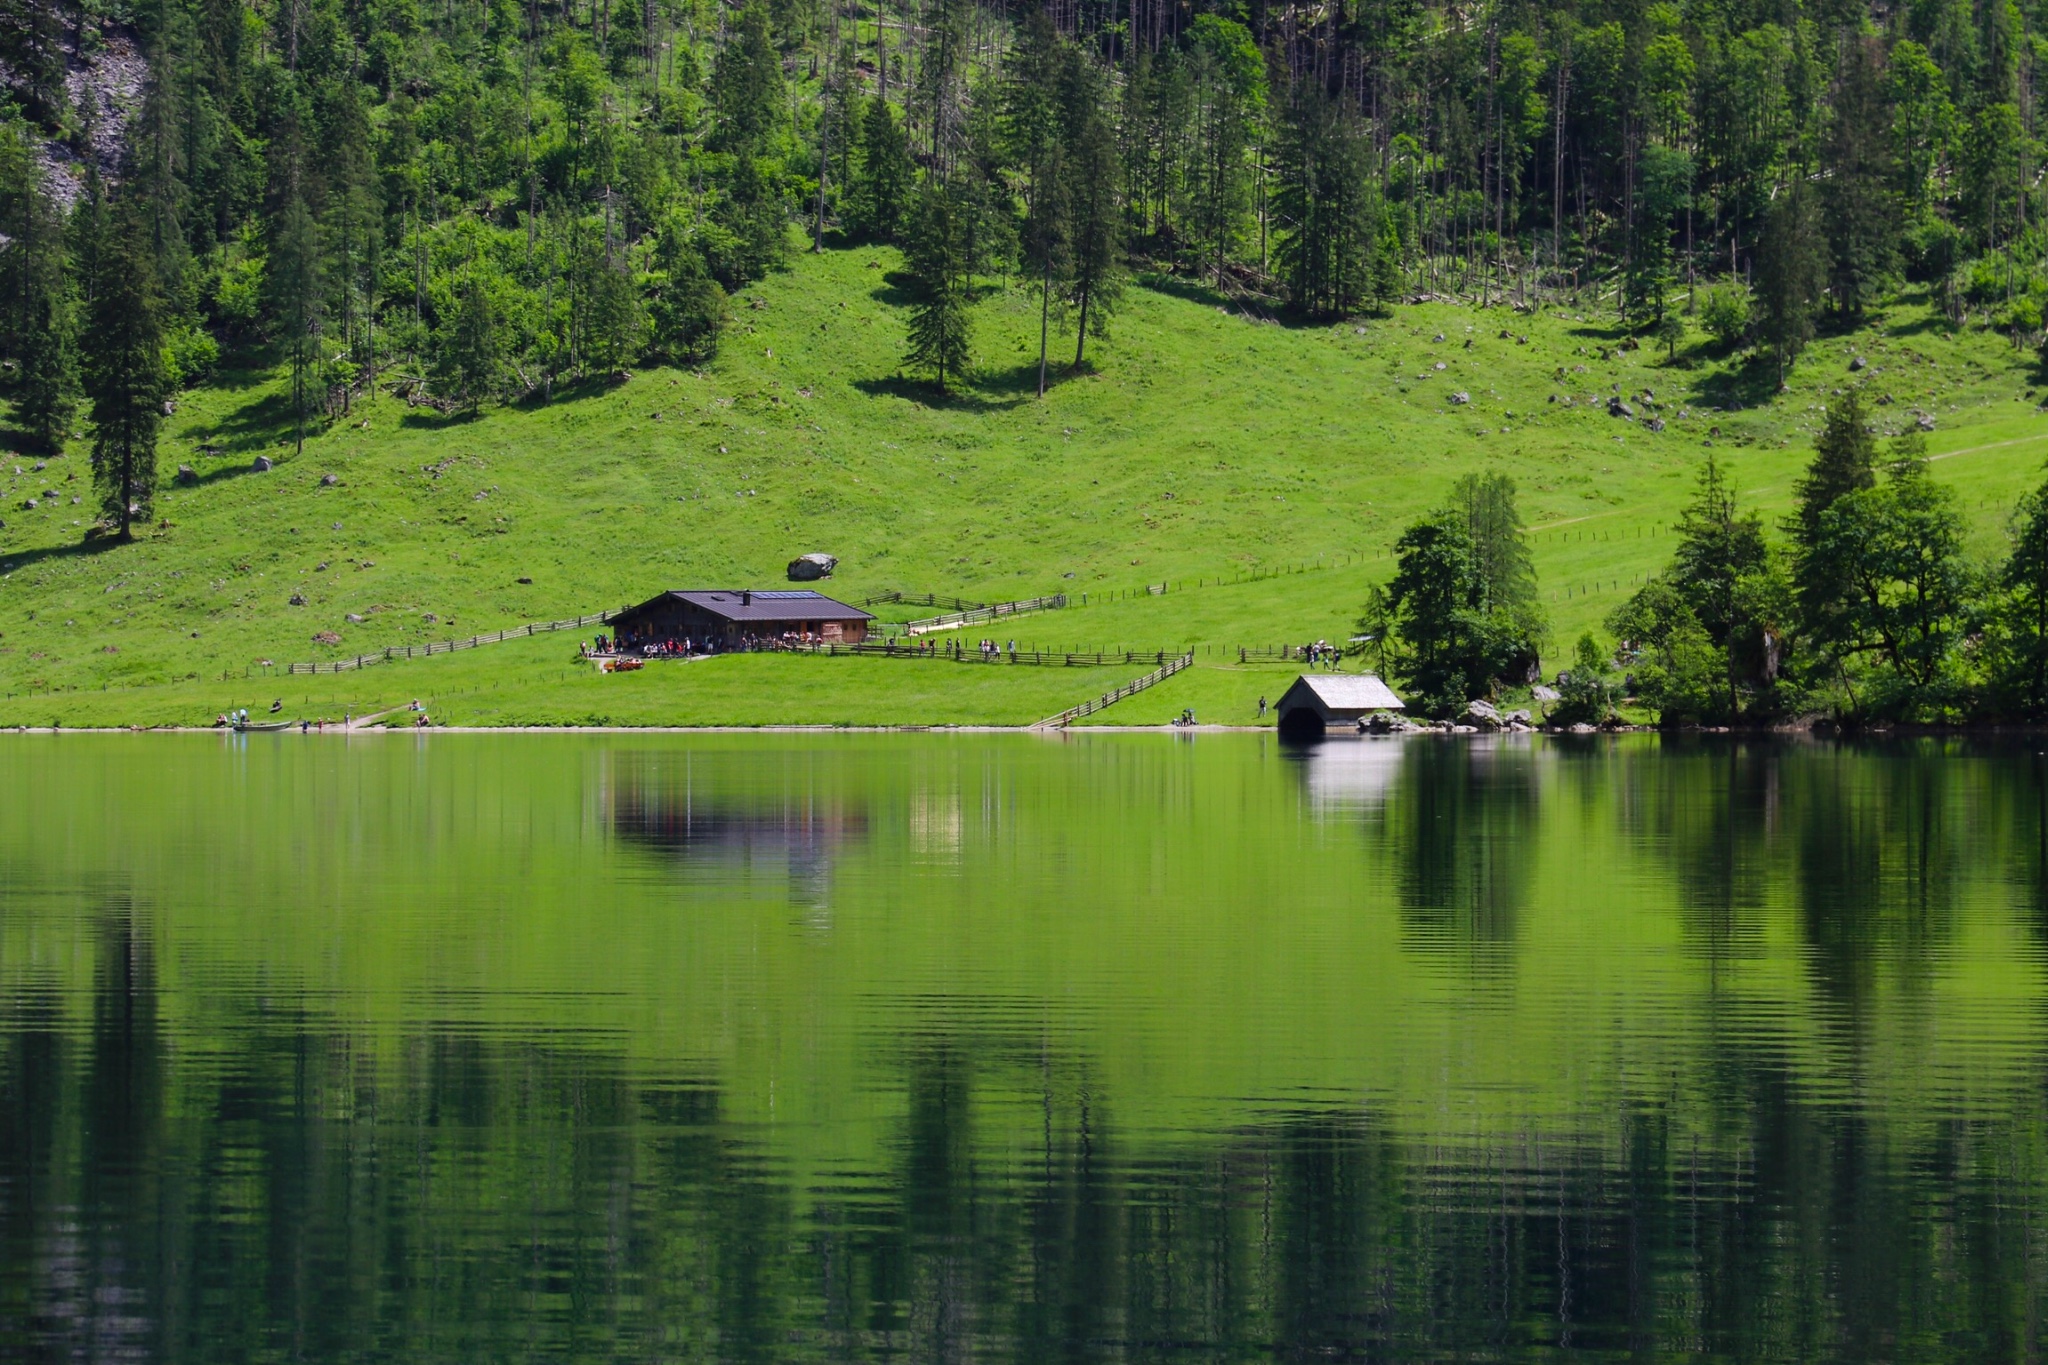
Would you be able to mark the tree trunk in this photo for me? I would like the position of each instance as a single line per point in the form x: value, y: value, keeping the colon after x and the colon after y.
x: 1045, y: 312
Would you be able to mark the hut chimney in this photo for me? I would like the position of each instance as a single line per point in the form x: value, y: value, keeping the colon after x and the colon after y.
x: 746, y: 597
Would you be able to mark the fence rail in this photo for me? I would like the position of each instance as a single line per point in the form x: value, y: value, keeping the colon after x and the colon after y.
x: 378, y: 656
x: 1112, y: 697
x: 987, y: 613
x: 954, y: 652
x: 921, y: 599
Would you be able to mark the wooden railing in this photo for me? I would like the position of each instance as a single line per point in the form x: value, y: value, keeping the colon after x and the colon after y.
x: 378, y: 656
x: 954, y: 652
x: 1111, y: 698
x: 921, y: 599
x: 987, y: 613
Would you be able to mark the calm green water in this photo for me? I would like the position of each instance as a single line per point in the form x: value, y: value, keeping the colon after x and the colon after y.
x: 769, y: 1048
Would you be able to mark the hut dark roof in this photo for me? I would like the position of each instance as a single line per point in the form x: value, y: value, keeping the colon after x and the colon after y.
x: 747, y: 606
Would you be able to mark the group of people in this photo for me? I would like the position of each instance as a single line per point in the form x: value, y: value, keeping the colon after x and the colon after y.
x: 665, y: 648
x: 1320, y: 653
x: 993, y: 649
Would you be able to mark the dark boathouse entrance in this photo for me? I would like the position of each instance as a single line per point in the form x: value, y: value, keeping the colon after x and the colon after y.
x: 734, y: 620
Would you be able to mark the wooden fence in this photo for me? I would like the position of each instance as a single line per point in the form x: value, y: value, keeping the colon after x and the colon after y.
x: 378, y: 656
x: 953, y: 651
x: 987, y: 613
x: 921, y: 599
x: 1111, y: 698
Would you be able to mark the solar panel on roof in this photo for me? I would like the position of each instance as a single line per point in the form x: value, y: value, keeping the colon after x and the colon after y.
x: 786, y: 596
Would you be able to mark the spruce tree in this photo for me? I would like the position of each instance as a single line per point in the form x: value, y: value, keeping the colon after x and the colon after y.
x: 1092, y: 172
x: 936, y: 251
x: 1844, y: 462
x: 298, y: 302
x: 746, y: 88
x: 1859, y: 211
x: 124, y: 371
x: 469, y: 357
x: 689, y: 309
x: 1788, y: 276
x: 49, y: 373
x: 2023, y: 657
x: 883, y: 190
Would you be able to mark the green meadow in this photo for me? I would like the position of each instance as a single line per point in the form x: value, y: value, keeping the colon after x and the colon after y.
x: 1259, y: 471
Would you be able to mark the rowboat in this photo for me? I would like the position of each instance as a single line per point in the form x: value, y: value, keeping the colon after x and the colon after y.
x: 264, y: 727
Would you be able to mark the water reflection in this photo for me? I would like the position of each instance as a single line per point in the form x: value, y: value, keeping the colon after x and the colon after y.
x: 911, y: 1140
x: 716, y: 820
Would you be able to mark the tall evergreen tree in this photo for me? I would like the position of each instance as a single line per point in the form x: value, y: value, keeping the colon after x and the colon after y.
x: 49, y: 372
x: 2022, y: 672
x: 1844, y: 462
x: 882, y: 193
x: 298, y: 305
x: 936, y: 249
x: 124, y: 370
x: 1504, y: 571
x: 746, y: 88
x: 1788, y: 277
x: 1329, y: 207
x: 1859, y: 208
x: 1092, y: 186
x: 1721, y: 550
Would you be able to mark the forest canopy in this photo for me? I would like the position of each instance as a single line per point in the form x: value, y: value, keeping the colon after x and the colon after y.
x: 478, y: 200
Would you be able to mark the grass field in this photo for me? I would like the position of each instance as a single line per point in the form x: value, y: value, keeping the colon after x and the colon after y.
x: 1261, y: 471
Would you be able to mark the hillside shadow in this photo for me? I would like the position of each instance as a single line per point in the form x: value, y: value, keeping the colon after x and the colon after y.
x: 897, y: 290
x: 1923, y: 325
x: 1748, y: 385
x: 252, y: 426
x: 430, y: 419
x: 84, y: 549
x: 925, y: 395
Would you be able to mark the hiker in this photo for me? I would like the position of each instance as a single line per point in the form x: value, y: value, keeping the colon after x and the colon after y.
x: 1262, y: 708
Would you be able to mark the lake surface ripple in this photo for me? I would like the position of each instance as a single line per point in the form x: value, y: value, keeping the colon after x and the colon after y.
x: 1000, y: 1047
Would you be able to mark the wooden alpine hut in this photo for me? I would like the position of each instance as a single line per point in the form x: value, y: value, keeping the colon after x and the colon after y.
x: 724, y: 619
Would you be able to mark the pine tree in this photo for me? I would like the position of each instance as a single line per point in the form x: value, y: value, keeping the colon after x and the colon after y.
x: 689, y: 309
x: 936, y: 251
x: 124, y: 370
x: 1091, y: 172
x: 1844, y: 462
x: 1501, y: 563
x: 746, y: 88
x: 49, y: 373
x: 1032, y: 138
x: 883, y: 190
x: 469, y: 357
x: 298, y: 302
x: 1859, y: 211
x: 1330, y: 205
x: 1228, y: 86
x: 1665, y: 187
x: 1788, y: 275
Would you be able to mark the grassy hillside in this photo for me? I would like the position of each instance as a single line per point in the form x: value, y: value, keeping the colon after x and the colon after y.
x: 1209, y: 450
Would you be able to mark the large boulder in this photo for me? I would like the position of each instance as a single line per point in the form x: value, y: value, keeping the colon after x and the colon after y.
x: 812, y: 567
x: 187, y: 475
x: 261, y: 464
x: 1482, y: 715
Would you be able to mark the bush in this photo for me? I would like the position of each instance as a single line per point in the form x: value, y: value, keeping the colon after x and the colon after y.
x: 1934, y: 248
x: 190, y: 353
x: 1585, y: 697
x: 1724, y: 313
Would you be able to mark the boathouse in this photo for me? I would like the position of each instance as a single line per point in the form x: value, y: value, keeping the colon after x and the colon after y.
x: 1318, y: 701
x: 735, y: 619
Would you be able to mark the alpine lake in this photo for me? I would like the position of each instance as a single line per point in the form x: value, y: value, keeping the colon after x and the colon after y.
x: 951, y: 1047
